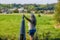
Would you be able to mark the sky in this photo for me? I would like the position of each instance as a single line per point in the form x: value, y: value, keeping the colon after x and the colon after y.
x: 28, y: 1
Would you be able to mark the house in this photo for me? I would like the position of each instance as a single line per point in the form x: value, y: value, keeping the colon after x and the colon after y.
x: 22, y: 10
x: 4, y: 10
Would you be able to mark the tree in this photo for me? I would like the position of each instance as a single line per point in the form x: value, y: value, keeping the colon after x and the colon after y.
x: 16, y: 11
x: 0, y: 11
x: 57, y: 13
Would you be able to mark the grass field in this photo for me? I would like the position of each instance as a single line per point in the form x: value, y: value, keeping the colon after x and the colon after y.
x: 10, y: 27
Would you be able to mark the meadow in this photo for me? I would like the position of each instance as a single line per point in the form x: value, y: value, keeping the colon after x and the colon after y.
x: 10, y: 27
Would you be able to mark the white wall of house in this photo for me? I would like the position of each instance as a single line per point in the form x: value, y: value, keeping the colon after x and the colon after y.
x: 48, y: 11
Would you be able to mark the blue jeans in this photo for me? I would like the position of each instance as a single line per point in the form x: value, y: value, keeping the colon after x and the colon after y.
x: 31, y: 32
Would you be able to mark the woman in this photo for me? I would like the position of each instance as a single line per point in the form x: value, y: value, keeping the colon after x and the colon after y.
x: 31, y: 24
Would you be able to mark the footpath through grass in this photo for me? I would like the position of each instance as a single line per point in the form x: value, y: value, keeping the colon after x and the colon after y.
x: 10, y: 27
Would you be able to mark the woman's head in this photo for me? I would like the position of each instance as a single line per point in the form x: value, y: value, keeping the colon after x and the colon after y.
x: 32, y: 16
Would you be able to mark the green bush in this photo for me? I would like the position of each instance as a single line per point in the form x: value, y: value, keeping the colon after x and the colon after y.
x: 57, y: 12
x: 16, y: 11
x: 0, y: 11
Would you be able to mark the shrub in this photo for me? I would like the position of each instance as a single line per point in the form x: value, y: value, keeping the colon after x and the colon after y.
x: 57, y: 12
x: 16, y: 11
x: 0, y: 11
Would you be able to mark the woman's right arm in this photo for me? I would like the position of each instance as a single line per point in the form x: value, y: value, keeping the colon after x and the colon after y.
x: 27, y: 18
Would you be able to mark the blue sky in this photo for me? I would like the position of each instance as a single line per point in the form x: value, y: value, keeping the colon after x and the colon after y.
x: 28, y: 1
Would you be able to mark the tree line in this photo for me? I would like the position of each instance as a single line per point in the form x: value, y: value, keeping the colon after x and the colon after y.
x: 29, y: 7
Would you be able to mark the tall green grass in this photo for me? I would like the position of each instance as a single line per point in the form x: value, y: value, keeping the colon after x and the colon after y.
x: 10, y: 27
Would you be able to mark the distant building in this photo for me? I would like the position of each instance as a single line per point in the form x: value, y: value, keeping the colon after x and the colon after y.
x: 6, y: 11
x: 11, y: 10
x: 49, y: 11
x: 22, y: 10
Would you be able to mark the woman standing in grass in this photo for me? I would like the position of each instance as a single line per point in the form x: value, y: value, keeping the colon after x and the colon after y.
x: 32, y: 25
